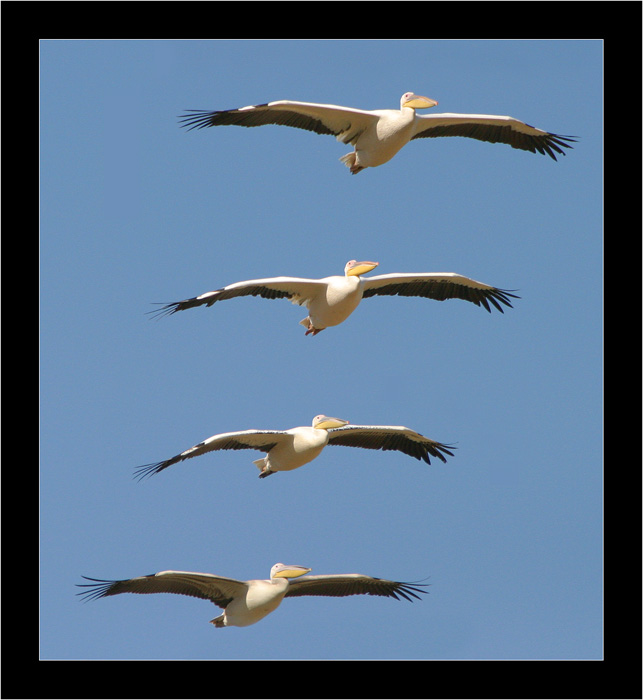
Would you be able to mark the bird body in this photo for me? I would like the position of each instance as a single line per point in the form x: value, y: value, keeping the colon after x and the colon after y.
x: 257, y: 599
x: 300, y: 446
x: 390, y: 132
x: 246, y: 602
x: 335, y: 301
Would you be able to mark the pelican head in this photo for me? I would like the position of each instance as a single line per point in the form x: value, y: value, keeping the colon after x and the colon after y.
x: 288, y: 571
x: 410, y: 99
x: 353, y: 267
x: 324, y: 422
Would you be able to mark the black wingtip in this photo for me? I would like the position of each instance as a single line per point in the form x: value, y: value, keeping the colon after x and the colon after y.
x: 502, y: 296
x: 165, y: 310
x: 437, y: 450
x: 195, y: 119
x: 146, y: 470
x: 98, y: 588
x: 406, y: 590
x: 554, y: 143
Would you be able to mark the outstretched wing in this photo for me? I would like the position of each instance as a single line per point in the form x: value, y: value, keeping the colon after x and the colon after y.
x: 218, y: 589
x: 341, y: 585
x: 298, y: 289
x: 262, y: 440
x: 438, y: 286
x: 389, y: 437
x: 492, y: 128
x: 344, y: 123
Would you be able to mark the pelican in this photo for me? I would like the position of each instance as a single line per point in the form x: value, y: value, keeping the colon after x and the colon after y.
x: 379, y: 134
x: 331, y: 300
x: 290, y: 449
x: 247, y: 602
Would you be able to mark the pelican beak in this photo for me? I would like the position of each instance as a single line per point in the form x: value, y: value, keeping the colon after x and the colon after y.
x: 288, y: 571
x: 419, y: 102
x: 360, y: 268
x: 325, y: 423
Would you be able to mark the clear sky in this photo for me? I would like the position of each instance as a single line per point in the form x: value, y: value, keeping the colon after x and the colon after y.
x: 135, y: 210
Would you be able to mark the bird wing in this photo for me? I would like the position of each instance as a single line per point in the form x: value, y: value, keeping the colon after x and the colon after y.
x: 343, y: 122
x: 352, y: 584
x: 218, y: 589
x: 438, y: 286
x: 298, y: 289
x: 389, y: 437
x: 263, y: 440
x: 492, y: 128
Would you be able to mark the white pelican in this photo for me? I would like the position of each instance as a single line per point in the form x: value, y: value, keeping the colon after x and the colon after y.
x: 379, y: 134
x: 331, y: 300
x: 247, y: 602
x: 290, y: 449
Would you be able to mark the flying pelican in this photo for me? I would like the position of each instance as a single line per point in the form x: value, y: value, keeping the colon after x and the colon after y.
x: 331, y: 300
x: 290, y: 449
x: 379, y: 134
x: 247, y: 602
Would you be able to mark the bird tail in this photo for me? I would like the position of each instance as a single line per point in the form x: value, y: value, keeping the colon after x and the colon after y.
x: 260, y: 463
x: 308, y: 325
x: 264, y: 467
x: 219, y: 621
x: 349, y: 161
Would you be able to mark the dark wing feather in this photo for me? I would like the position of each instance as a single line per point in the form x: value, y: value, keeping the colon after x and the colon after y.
x: 345, y: 123
x: 262, y: 440
x: 353, y: 584
x: 438, y: 286
x: 297, y: 289
x: 398, y: 438
x: 483, y: 129
x: 198, y: 119
x: 217, y: 589
x: 220, y: 295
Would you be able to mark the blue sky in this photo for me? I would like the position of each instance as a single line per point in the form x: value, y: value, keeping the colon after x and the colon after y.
x: 135, y: 210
